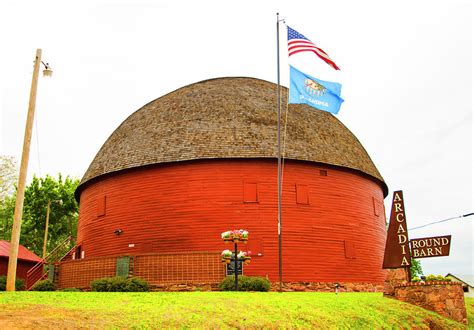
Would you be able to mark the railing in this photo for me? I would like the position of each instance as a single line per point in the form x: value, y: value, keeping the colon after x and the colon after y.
x: 38, y: 272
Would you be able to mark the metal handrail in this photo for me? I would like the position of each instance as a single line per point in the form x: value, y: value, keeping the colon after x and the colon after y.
x: 32, y: 275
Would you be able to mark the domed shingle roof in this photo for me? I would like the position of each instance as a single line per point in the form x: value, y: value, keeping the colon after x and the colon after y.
x: 227, y: 118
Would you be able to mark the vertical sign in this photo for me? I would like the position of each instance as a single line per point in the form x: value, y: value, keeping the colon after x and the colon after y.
x: 397, y: 250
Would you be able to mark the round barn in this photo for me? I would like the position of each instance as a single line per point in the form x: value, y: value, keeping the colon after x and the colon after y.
x: 202, y: 160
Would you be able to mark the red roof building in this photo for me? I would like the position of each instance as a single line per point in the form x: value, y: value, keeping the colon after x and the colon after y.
x: 26, y: 259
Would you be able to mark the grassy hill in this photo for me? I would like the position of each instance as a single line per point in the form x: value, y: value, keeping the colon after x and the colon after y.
x: 215, y: 310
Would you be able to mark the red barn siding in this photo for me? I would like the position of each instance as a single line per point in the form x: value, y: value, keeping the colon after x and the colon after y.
x: 185, y: 206
x: 21, y: 269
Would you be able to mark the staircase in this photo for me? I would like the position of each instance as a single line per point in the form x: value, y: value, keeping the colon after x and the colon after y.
x: 39, y: 271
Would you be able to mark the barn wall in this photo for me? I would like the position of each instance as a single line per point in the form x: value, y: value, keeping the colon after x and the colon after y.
x: 21, y: 268
x: 3, y: 266
x: 333, y: 219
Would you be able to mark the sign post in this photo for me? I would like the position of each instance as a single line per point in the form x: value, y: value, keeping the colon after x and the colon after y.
x: 397, y: 250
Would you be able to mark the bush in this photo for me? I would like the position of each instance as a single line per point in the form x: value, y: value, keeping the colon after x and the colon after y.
x: 19, y: 284
x: 435, y: 278
x: 119, y: 284
x: 136, y: 284
x: 45, y: 285
x: 71, y: 290
x: 246, y: 283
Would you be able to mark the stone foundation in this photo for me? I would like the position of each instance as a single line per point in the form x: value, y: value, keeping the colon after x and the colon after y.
x: 287, y: 287
x: 185, y: 287
x: 395, y: 277
x: 444, y: 298
x: 326, y: 287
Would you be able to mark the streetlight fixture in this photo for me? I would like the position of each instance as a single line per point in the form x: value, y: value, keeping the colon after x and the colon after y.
x: 20, y: 196
x: 48, y: 209
x: 47, y: 72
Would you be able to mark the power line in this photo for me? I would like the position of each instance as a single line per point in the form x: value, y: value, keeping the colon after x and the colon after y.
x: 432, y: 223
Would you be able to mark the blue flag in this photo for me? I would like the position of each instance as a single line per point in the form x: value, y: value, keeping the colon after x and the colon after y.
x: 320, y: 94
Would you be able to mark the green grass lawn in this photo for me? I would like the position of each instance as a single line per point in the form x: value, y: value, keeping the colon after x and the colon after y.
x: 215, y: 310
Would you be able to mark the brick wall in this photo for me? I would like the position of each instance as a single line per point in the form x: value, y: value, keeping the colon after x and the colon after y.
x: 80, y: 272
x: 156, y: 269
x: 179, y: 268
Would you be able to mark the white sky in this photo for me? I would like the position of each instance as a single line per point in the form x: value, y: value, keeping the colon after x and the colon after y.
x: 406, y: 76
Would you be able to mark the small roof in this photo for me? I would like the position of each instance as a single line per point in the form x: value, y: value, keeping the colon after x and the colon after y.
x: 23, y: 252
x: 468, y: 279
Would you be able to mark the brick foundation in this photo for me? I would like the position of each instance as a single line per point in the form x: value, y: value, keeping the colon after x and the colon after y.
x: 170, y: 271
x: 444, y: 298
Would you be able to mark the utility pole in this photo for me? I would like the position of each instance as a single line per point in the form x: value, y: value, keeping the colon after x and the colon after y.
x: 16, y: 228
x: 48, y: 209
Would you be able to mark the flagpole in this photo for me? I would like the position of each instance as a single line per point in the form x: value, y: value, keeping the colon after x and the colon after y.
x: 280, y: 268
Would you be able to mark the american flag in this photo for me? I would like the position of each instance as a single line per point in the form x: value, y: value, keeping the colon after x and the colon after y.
x: 299, y: 43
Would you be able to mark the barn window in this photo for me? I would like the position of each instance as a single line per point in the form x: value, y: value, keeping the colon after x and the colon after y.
x: 250, y: 192
x: 323, y: 173
x: 78, y: 252
x: 349, y: 249
x: 376, y: 204
x: 101, y: 205
x: 302, y: 195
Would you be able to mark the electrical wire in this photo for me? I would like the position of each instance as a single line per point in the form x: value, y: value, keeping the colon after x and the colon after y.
x: 444, y: 220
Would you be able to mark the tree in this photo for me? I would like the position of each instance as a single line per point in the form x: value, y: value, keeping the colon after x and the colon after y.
x: 415, y: 269
x: 8, y: 179
x: 8, y: 176
x: 62, y: 218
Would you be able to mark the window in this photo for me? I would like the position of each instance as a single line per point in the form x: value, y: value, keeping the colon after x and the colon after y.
x: 101, y: 204
x: 349, y: 249
x: 250, y: 192
x: 377, y: 206
x: 323, y: 173
x: 302, y: 195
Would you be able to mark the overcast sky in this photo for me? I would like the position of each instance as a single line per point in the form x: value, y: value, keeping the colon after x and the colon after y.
x: 406, y: 74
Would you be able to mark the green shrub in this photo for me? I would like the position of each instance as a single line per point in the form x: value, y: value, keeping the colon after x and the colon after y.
x: 71, y: 290
x: 430, y: 278
x: 45, y: 285
x: 19, y: 284
x: 136, y: 284
x: 100, y: 285
x: 415, y: 279
x: 246, y: 283
x: 442, y: 278
x: 435, y: 278
x: 119, y: 284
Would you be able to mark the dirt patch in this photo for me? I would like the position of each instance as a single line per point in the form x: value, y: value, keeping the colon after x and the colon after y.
x: 46, y: 317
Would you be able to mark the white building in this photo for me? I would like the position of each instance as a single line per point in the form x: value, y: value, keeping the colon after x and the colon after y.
x: 467, y: 283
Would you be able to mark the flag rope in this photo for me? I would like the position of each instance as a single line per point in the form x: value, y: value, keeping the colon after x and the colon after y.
x: 283, y: 153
